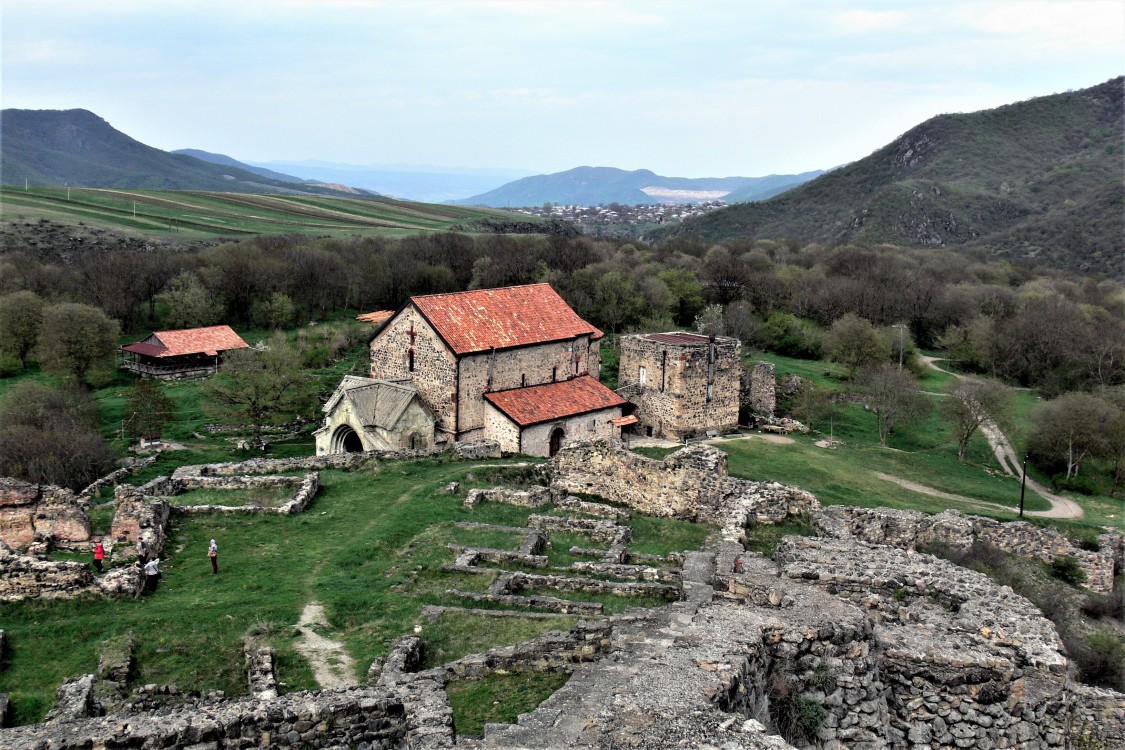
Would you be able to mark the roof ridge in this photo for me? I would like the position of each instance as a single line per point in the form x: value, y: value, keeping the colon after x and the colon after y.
x: 478, y: 291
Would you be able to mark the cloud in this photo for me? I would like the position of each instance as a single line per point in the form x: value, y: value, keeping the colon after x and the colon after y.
x: 864, y: 21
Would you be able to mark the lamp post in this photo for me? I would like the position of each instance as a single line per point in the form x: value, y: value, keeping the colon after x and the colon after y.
x: 1023, y: 483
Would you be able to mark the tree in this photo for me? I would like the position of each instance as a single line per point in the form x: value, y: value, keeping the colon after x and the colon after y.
x: 813, y: 403
x: 148, y: 408
x: 255, y: 387
x: 277, y: 312
x: 893, y: 395
x: 21, y: 314
x: 710, y: 321
x: 50, y: 436
x: 77, y: 341
x: 854, y: 343
x: 971, y: 404
x: 190, y: 303
x: 1069, y: 429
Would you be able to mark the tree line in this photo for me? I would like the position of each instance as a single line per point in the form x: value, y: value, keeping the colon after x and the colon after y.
x: 861, y: 306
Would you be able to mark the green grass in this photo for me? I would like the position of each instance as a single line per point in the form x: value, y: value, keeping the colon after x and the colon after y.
x: 456, y: 634
x: 197, y: 214
x: 268, y: 497
x: 499, y: 698
x: 764, y: 538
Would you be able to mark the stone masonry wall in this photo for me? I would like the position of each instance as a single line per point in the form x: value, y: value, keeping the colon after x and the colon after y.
x: 25, y: 577
x: 763, y: 389
x: 691, y: 483
x: 673, y: 400
x: 359, y: 717
x: 515, y: 368
x: 29, y: 510
x: 435, y: 368
x: 908, y: 529
x: 138, y: 518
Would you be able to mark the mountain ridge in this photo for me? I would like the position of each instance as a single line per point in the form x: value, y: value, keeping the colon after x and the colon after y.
x: 592, y: 186
x: 78, y: 148
x: 1039, y: 180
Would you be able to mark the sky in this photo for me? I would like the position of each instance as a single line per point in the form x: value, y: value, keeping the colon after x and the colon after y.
x: 686, y: 88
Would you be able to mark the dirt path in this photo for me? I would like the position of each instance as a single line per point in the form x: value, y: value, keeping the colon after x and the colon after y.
x: 1061, y: 507
x: 331, y: 663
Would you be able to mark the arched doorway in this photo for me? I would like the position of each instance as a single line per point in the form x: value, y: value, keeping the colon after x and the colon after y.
x: 557, y: 435
x: 346, y: 440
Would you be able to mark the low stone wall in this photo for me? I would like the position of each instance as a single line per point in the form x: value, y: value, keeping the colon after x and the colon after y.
x: 533, y: 497
x: 24, y: 577
x: 30, y: 510
x: 306, y: 488
x: 691, y: 483
x: 601, y: 530
x: 477, y: 450
x: 113, y: 477
x: 368, y: 717
x: 909, y: 529
x: 513, y: 583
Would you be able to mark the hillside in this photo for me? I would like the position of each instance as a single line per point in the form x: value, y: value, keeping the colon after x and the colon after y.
x: 595, y: 186
x: 76, y: 147
x: 227, y: 161
x: 1039, y: 180
x: 198, y: 214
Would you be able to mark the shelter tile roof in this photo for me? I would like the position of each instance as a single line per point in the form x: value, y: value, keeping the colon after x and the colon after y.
x: 377, y: 318
x: 510, y: 316
x: 542, y: 403
x: 210, y: 341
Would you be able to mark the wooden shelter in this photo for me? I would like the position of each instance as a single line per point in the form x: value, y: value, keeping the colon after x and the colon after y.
x: 186, y: 352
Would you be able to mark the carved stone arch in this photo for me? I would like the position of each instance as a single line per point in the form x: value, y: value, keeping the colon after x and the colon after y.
x: 346, y: 440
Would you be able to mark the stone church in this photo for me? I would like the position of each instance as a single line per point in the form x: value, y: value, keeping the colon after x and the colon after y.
x: 514, y: 364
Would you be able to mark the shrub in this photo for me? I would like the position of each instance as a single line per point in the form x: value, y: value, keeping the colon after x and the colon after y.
x: 1100, y: 658
x: 797, y: 718
x: 1066, y: 569
x: 1082, y: 484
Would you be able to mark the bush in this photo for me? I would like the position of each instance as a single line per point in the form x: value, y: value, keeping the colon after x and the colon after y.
x: 1112, y: 605
x: 1100, y: 658
x: 1082, y: 484
x: 797, y: 718
x: 1066, y: 569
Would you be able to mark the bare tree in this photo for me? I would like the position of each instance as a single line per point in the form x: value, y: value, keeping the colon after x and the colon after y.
x: 893, y: 395
x: 971, y: 404
x: 1070, y: 429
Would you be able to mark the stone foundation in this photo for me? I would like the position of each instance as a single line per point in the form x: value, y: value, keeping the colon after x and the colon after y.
x: 910, y: 529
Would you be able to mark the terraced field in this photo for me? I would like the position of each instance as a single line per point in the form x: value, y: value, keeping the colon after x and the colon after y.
x: 191, y: 214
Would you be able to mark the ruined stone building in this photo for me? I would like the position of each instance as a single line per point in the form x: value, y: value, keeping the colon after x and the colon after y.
x: 514, y: 364
x: 683, y: 384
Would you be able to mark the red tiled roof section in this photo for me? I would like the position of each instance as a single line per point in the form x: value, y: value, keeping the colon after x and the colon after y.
x: 210, y: 340
x: 484, y: 319
x: 542, y: 403
x: 379, y: 317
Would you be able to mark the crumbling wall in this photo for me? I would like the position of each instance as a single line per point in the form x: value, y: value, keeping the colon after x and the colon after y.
x: 909, y: 529
x: 26, y: 577
x: 30, y: 510
x: 138, y: 518
x: 691, y: 483
x: 368, y: 717
x: 763, y: 389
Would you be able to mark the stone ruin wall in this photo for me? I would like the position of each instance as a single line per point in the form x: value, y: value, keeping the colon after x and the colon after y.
x: 28, y: 511
x: 673, y: 399
x: 763, y: 390
x: 691, y: 483
x: 909, y: 529
x: 138, y: 518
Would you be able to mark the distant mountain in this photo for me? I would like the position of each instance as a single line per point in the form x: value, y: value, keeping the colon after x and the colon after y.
x: 419, y: 182
x: 1042, y: 179
x: 763, y: 188
x: 593, y: 186
x: 227, y: 161
x: 76, y: 147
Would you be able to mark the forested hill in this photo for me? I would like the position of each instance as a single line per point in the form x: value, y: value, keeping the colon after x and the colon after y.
x: 1041, y: 179
x: 595, y: 186
x: 78, y: 148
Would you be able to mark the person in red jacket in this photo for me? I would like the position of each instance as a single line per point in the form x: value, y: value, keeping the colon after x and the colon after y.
x: 99, y: 555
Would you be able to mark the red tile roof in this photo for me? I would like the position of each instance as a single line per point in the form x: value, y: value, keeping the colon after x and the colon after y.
x: 377, y: 318
x: 510, y: 316
x: 542, y: 403
x: 210, y: 341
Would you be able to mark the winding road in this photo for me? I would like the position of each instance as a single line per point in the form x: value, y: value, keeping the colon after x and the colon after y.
x: 1061, y: 507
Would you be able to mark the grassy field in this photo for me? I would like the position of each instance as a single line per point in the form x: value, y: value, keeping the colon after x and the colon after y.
x: 193, y: 214
x: 370, y: 548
